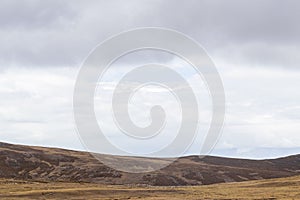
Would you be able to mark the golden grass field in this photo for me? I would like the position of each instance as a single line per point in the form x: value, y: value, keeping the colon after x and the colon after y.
x: 281, y: 188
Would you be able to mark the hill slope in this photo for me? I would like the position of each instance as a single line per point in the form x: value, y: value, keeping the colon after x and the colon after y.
x: 51, y: 164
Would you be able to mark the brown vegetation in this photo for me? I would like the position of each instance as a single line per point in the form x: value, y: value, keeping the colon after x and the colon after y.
x: 282, y: 188
x: 57, y: 165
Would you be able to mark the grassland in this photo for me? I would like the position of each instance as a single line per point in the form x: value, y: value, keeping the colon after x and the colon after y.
x: 281, y: 188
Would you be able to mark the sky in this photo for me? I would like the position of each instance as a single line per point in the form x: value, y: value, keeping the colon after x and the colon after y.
x: 255, y: 46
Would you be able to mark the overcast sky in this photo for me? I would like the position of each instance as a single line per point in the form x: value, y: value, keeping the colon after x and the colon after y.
x: 254, y: 44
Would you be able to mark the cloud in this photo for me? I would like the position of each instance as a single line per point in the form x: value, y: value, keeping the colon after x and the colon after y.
x: 254, y: 44
x: 36, y: 107
x: 61, y: 33
x: 33, y: 14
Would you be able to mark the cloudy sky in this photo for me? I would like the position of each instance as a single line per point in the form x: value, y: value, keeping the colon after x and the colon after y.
x: 255, y: 46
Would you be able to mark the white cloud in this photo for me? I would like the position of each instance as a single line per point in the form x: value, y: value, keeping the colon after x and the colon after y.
x: 36, y: 106
x: 257, y: 56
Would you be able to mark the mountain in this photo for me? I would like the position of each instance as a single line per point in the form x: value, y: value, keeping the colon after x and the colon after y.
x: 256, y: 153
x: 32, y: 163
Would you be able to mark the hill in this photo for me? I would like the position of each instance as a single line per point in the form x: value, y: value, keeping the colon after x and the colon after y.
x: 58, y: 165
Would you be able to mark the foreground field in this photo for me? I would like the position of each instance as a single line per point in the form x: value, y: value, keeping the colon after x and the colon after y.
x: 281, y: 188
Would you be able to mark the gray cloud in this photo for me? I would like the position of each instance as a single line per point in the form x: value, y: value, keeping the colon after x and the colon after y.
x: 34, y: 14
x: 38, y: 39
x: 60, y: 33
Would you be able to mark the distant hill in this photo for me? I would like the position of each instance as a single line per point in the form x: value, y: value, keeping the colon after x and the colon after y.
x: 51, y: 164
x: 256, y: 153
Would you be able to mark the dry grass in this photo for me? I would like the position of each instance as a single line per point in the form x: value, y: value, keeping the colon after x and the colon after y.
x: 282, y: 188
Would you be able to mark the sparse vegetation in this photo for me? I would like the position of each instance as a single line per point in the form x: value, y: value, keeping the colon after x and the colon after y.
x: 31, y: 163
x: 46, y: 173
x: 281, y: 188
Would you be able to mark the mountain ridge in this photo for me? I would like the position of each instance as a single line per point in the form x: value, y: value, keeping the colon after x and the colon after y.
x: 54, y: 164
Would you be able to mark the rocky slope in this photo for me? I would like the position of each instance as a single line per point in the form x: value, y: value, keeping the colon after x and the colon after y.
x: 51, y: 164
